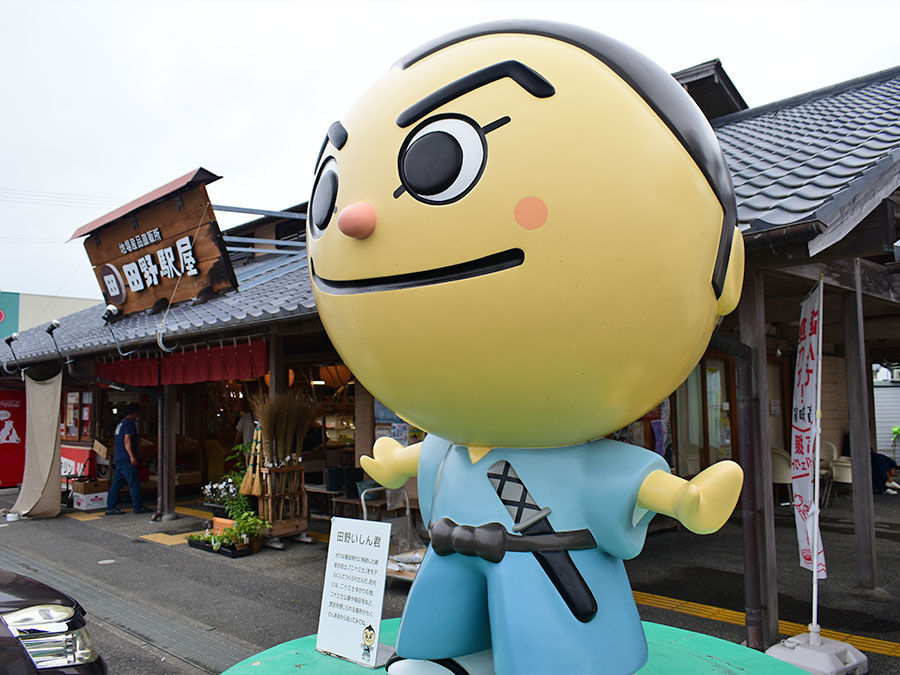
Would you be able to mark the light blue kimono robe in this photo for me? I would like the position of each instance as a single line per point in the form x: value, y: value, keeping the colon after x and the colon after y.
x: 460, y: 604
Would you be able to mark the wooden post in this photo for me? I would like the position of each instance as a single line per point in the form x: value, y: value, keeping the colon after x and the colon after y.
x: 749, y: 508
x: 752, y: 321
x: 160, y: 452
x: 166, y: 471
x: 278, y: 381
x: 364, y: 416
x: 860, y: 439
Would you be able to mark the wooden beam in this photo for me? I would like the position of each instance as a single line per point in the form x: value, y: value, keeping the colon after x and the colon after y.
x: 278, y: 377
x: 165, y: 473
x: 874, y: 279
x: 873, y: 236
x: 842, y: 216
x: 860, y: 449
x: 160, y: 452
x: 364, y: 415
x: 752, y: 322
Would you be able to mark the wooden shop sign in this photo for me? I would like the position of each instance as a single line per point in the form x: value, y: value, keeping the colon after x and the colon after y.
x: 170, y: 250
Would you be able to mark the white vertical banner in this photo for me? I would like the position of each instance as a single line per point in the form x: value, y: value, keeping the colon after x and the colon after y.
x: 805, y: 429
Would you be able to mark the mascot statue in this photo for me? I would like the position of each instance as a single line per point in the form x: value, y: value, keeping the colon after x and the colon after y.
x: 521, y: 239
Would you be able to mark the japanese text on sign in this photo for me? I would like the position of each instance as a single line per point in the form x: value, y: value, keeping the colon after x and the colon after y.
x: 140, y: 241
x: 350, y: 616
x: 148, y: 271
x: 804, y: 428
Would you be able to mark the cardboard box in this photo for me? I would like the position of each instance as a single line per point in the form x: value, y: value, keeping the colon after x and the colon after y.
x: 104, y: 448
x: 89, y: 502
x: 89, y: 487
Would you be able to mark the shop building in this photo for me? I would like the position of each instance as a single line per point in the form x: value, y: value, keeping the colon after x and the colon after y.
x: 816, y: 179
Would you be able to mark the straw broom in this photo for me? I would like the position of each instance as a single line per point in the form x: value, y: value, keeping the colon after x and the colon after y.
x: 285, y: 420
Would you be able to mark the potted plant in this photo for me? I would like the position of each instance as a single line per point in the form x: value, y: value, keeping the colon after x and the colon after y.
x: 224, y: 497
x: 217, y: 496
x: 247, y: 530
x: 223, y: 544
x: 242, y: 538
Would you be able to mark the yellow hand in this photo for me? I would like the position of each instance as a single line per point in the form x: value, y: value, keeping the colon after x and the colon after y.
x: 392, y: 464
x: 703, y: 505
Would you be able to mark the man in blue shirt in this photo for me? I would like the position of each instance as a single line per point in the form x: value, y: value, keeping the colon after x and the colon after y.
x: 125, y: 461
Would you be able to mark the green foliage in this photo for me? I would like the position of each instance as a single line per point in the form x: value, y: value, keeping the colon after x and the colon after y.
x: 226, y: 491
x: 237, y: 505
x: 247, y: 526
x: 215, y: 540
x: 248, y: 523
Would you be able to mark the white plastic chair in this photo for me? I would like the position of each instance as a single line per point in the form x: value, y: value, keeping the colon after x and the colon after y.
x: 827, y: 455
x: 781, y: 472
x: 842, y: 472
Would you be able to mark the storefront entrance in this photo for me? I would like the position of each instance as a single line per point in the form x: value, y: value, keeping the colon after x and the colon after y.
x: 706, y: 415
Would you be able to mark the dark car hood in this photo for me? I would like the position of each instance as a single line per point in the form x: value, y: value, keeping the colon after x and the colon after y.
x: 13, y: 658
x: 17, y: 592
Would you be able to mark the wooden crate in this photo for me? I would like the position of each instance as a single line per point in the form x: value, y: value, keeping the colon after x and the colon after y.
x: 283, y: 501
x: 221, y: 524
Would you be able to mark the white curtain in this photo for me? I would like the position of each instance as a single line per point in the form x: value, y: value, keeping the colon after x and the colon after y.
x: 40, y: 493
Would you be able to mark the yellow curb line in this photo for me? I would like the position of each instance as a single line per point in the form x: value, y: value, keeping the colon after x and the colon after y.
x: 169, y: 539
x: 862, y: 643
x: 84, y: 516
x: 197, y: 513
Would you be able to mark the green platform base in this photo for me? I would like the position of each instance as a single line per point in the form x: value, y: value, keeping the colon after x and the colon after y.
x: 672, y: 652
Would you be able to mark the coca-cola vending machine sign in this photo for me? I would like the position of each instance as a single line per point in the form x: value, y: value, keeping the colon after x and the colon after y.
x: 12, y: 437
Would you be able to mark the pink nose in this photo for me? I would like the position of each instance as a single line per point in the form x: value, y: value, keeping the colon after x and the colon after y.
x: 357, y: 220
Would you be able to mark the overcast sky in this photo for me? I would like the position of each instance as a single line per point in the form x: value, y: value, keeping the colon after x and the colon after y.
x: 104, y: 101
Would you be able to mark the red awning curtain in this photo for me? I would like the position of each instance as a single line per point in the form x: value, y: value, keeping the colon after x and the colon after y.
x: 241, y: 361
x: 138, y: 372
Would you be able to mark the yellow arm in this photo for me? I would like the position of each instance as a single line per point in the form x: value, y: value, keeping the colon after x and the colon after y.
x: 701, y: 505
x: 392, y: 464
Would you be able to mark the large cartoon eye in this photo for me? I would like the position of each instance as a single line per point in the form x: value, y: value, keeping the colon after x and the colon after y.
x: 324, y: 196
x: 442, y: 159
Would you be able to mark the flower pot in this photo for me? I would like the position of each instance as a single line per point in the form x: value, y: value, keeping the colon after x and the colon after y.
x: 202, y: 545
x: 231, y: 552
x: 220, y: 524
x: 218, y: 510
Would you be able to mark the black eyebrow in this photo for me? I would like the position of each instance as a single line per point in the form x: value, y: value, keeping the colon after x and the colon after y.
x: 337, y: 134
x: 531, y: 81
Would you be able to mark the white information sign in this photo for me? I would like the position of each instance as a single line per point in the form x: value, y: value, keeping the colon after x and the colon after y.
x: 805, y: 432
x: 350, y: 618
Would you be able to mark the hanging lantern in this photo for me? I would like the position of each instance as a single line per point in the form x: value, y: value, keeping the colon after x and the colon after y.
x: 335, y: 376
x: 290, y: 378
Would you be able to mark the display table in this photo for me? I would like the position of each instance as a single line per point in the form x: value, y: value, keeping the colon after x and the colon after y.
x: 672, y: 652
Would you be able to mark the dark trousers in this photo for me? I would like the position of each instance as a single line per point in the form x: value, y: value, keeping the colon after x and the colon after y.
x: 126, y: 472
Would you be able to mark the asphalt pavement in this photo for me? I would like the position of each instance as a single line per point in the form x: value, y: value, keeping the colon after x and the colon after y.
x: 157, y: 606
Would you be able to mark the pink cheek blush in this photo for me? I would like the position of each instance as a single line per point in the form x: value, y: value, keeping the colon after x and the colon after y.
x: 531, y: 213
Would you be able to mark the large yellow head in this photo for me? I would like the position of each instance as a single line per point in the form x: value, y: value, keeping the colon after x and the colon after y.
x: 522, y: 236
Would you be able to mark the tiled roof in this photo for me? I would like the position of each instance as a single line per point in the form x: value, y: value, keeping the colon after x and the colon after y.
x: 808, y: 158
x: 827, y: 157
x: 273, y: 289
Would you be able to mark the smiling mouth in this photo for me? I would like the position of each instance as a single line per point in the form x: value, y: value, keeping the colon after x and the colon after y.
x: 496, y: 262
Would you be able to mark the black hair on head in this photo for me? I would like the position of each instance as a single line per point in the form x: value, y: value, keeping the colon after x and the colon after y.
x: 655, y: 86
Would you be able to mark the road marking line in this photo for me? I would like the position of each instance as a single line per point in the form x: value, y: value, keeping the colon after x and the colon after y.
x: 169, y: 539
x: 790, y: 628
